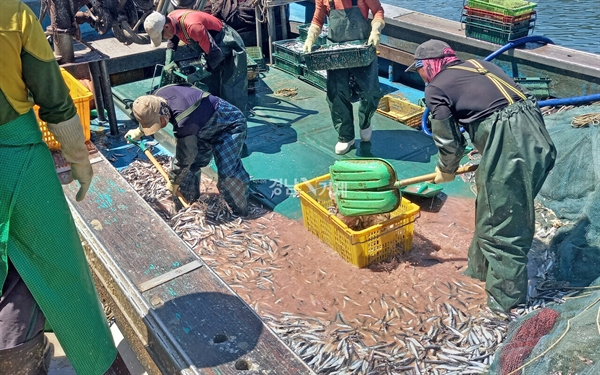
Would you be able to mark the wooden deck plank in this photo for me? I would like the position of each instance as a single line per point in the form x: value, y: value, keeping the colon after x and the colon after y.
x: 185, y: 318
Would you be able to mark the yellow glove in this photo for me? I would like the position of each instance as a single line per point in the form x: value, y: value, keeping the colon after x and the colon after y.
x: 376, y: 26
x: 135, y: 134
x: 173, y: 188
x: 313, y: 32
x: 72, y: 144
x: 441, y: 177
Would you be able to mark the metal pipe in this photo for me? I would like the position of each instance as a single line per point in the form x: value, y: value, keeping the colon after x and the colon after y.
x: 283, y: 18
x: 108, y: 98
x: 272, y: 31
x: 63, y: 48
x: 98, y: 97
x: 258, y: 28
x: 62, y: 19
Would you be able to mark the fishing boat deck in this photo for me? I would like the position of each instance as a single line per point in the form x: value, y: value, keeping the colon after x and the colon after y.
x: 291, y: 138
x: 185, y: 315
x: 165, y: 298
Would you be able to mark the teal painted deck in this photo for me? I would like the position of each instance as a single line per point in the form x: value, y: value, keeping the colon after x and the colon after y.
x: 291, y: 139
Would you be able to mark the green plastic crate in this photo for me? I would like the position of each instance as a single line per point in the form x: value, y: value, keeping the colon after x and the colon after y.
x: 316, y: 78
x: 281, y: 62
x: 329, y: 58
x: 493, y: 35
x: 255, y: 53
x: 539, y: 87
x: 497, y: 16
x: 253, y: 70
x: 289, y: 49
x: 303, y: 33
x: 506, y: 7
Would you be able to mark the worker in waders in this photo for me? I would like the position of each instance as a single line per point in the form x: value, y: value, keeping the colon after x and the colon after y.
x: 225, y: 72
x: 506, y: 126
x: 43, y: 269
x: 204, y: 126
x: 348, y: 21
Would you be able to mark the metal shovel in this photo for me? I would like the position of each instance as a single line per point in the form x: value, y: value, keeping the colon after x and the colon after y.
x: 370, y: 186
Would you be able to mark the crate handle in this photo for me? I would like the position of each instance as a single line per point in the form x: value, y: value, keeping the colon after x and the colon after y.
x: 414, y: 218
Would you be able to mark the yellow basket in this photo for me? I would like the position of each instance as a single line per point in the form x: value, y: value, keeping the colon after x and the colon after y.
x: 361, y: 248
x: 401, y: 110
x: 81, y: 98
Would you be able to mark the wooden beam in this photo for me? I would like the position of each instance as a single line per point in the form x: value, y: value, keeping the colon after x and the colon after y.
x: 395, y: 55
x: 177, y: 321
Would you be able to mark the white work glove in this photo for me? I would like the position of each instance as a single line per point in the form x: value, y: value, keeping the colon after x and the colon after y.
x: 72, y: 144
x: 377, y: 25
x: 313, y: 32
x: 135, y: 134
x: 441, y: 177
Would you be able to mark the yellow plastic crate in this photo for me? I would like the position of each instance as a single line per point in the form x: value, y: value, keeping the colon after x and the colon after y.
x: 81, y: 98
x: 401, y: 110
x: 361, y: 248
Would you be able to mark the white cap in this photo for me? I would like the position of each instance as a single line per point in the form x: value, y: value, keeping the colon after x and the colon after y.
x: 154, y: 24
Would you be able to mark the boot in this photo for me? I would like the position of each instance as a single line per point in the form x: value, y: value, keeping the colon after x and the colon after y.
x: 30, y: 358
x: 343, y: 147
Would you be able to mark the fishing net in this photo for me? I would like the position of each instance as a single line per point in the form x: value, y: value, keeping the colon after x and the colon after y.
x: 564, y: 337
x: 572, y: 192
x: 569, y: 347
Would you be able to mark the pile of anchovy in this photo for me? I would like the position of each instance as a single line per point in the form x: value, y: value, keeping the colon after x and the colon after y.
x: 295, y: 46
x: 391, y: 337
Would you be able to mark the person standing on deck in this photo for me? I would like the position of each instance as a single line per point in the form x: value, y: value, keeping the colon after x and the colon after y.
x: 348, y: 21
x: 226, y: 69
x: 506, y: 126
x: 43, y: 270
x: 204, y: 126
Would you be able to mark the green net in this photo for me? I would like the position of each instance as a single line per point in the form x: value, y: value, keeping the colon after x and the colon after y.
x: 572, y: 192
x: 564, y: 338
x: 570, y: 347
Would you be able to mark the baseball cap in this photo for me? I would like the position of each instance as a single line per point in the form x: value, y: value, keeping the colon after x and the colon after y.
x: 146, y: 110
x: 431, y: 49
x: 154, y: 24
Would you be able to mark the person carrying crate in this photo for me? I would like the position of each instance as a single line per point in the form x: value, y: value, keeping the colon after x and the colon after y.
x: 348, y: 21
x: 204, y: 126
x: 225, y: 71
x: 44, y: 274
x: 506, y: 126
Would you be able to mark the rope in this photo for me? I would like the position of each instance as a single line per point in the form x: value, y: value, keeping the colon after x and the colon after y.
x: 261, y: 7
x: 560, y: 338
x: 598, y: 321
x: 586, y: 119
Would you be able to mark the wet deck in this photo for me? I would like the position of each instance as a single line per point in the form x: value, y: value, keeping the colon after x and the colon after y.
x: 291, y: 139
x: 167, y: 302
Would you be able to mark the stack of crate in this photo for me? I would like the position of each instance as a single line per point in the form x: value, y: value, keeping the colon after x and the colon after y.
x: 288, y: 56
x: 317, y: 78
x: 256, y: 64
x: 253, y: 72
x: 498, y: 21
x: 303, y: 33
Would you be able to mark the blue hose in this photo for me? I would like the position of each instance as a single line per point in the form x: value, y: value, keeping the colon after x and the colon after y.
x: 518, y: 42
x: 569, y: 101
x: 509, y: 45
